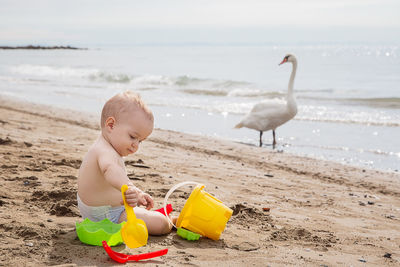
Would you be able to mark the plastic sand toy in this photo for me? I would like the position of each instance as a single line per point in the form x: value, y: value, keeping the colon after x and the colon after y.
x: 167, y: 209
x: 93, y: 233
x: 123, y: 258
x: 134, y: 232
x: 188, y: 235
x: 202, y: 213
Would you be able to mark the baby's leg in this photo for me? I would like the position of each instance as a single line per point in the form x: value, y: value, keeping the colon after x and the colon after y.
x: 157, y: 223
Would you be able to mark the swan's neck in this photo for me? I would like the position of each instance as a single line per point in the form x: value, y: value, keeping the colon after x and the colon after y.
x: 291, y: 80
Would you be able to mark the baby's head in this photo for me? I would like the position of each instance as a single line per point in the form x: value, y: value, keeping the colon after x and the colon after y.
x: 125, y: 122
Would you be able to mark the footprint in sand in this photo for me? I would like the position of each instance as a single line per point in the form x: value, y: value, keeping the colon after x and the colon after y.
x: 59, y: 202
x: 74, y: 163
x: 246, y: 246
x: 6, y: 141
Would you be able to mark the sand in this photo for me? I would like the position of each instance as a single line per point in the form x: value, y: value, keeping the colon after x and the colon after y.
x: 320, y: 213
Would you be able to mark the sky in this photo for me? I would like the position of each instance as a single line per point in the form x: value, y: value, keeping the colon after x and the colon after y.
x: 105, y: 22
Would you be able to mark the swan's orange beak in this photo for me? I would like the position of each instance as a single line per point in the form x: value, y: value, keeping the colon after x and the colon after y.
x: 283, y: 61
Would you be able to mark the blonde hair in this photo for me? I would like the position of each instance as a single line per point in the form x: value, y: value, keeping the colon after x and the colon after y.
x: 121, y: 103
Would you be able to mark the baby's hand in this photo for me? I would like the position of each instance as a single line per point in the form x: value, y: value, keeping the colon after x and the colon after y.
x: 136, y: 197
x: 149, y: 203
x: 132, y: 196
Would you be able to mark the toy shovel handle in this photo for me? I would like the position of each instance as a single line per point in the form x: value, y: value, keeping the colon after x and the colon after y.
x: 130, y: 214
x: 147, y: 255
x: 123, y: 258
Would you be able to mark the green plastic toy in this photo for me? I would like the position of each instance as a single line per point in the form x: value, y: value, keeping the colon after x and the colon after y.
x: 93, y: 233
x: 188, y: 235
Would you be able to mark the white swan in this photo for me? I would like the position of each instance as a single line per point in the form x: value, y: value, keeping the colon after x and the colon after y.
x: 270, y: 114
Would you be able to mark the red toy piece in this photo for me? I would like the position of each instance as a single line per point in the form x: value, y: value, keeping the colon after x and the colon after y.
x: 123, y: 258
x: 169, y: 209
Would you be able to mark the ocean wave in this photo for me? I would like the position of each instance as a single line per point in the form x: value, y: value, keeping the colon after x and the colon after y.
x: 153, y: 80
x: 186, y: 80
x: 348, y: 115
x: 320, y: 95
x: 328, y: 90
x: 384, y: 102
x: 377, y: 102
x: 110, y: 77
x: 46, y: 70
x: 148, y: 88
x: 139, y: 81
x: 305, y: 113
x: 249, y: 92
x: 233, y: 92
x: 231, y: 84
x: 205, y: 92
x: 366, y: 121
x: 192, y: 86
x: 381, y: 152
x: 323, y: 114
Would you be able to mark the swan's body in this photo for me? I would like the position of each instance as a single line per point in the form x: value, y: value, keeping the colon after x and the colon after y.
x: 270, y: 114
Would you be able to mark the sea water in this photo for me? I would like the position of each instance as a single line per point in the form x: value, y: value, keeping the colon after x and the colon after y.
x: 348, y: 96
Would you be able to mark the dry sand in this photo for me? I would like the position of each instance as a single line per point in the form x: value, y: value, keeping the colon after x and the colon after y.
x: 321, y: 213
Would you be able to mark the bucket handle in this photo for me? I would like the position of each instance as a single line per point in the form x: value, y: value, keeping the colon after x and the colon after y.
x: 170, y: 192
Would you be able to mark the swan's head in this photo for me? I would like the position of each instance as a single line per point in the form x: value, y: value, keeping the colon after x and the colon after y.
x: 288, y: 58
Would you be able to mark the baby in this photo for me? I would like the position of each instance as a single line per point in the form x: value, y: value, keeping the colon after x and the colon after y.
x: 125, y: 123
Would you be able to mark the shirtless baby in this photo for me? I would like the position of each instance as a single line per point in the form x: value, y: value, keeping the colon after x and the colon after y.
x: 125, y: 123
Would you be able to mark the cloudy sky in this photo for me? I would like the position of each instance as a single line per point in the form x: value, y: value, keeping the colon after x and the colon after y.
x: 202, y: 21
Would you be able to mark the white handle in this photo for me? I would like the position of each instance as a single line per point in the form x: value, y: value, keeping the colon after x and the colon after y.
x: 170, y: 192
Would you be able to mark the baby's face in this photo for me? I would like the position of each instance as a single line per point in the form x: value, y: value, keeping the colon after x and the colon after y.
x: 129, y: 131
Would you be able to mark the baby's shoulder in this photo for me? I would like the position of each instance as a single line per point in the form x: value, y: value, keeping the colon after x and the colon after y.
x: 95, y: 150
x: 103, y: 152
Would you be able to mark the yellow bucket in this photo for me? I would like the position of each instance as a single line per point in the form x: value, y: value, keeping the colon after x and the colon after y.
x: 202, y: 213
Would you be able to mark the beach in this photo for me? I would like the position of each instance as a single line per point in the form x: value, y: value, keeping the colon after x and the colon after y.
x: 288, y: 209
x: 346, y: 91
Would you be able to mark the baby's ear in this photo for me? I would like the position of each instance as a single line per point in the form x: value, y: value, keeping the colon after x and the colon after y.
x: 109, y: 123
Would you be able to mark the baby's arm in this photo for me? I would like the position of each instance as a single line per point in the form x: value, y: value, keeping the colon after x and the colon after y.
x: 115, y: 175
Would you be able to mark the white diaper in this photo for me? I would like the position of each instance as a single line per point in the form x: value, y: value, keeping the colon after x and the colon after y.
x: 96, y: 214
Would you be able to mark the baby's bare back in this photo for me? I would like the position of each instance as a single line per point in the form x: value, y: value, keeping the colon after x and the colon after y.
x: 93, y: 188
